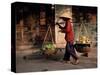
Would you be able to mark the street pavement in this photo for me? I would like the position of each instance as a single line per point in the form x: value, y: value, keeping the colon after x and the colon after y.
x: 32, y: 60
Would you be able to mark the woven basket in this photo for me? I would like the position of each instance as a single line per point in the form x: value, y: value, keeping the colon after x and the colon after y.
x: 48, y: 49
x: 83, y: 50
x: 49, y: 52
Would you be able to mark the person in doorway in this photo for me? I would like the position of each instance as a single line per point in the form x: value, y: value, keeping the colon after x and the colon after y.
x: 69, y: 37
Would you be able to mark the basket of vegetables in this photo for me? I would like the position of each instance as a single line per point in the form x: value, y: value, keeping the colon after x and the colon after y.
x: 48, y: 48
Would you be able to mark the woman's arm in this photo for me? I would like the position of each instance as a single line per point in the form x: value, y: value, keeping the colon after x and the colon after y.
x: 60, y: 26
x: 63, y: 29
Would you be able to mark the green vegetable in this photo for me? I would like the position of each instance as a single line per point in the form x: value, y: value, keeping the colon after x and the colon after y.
x: 48, y: 46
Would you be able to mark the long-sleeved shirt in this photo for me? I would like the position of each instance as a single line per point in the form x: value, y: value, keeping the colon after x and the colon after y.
x: 69, y: 34
x: 68, y: 30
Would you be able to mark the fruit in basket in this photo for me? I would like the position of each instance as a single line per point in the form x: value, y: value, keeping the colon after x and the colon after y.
x: 83, y: 40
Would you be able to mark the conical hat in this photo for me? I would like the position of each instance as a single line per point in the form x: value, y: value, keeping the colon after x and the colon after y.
x: 66, y: 15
